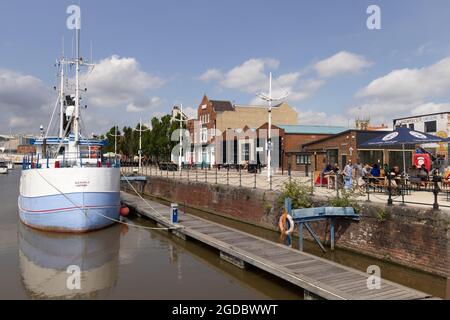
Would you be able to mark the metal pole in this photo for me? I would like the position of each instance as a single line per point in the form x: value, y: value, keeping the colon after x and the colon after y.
x: 435, y: 191
x: 300, y: 236
x: 390, y: 201
x: 140, y: 143
x: 269, y: 134
x: 332, y: 233
x: 115, y: 141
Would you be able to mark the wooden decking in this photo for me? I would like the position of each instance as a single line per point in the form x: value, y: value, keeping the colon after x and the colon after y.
x: 317, y: 276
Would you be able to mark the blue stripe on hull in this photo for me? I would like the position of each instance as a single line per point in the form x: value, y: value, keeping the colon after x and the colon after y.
x: 58, y: 213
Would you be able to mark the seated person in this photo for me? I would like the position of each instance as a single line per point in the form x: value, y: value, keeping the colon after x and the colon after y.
x: 447, y: 174
x: 423, y: 174
x: 323, y: 179
x: 375, y: 172
x: 367, y: 170
x: 336, y: 168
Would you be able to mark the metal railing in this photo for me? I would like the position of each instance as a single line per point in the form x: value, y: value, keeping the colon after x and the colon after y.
x: 403, y: 193
x: 68, y: 160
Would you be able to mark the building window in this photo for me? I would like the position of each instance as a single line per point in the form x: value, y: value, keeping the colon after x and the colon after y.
x: 245, y: 152
x: 303, y: 159
x: 411, y: 126
x: 332, y: 156
x: 204, y: 135
x: 430, y: 126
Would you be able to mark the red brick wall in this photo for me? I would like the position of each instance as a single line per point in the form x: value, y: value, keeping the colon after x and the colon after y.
x: 342, y: 142
x: 294, y: 142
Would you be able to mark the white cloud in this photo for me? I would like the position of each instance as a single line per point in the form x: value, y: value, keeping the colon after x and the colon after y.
x: 411, y: 84
x: 430, y: 107
x: 146, y: 105
x: 190, y: 112
x: 406, y: 92
x: 313, y: 117
x: 117, y: 81
x: 210, y: 75
x: 250, y: 76
x: 341, y: 63
x: 24, y: 102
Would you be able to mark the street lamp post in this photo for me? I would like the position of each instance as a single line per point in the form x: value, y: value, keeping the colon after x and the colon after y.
x: 270, y: 99
x: 115, y: 141
x: 140, y: 142
x: 180, y: 153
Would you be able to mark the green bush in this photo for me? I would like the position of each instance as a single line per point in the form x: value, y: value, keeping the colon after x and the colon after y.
x: 299, y: 193
x: 348, y: 199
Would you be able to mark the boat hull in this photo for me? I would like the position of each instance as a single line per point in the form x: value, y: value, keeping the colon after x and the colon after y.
x: 70, y: 200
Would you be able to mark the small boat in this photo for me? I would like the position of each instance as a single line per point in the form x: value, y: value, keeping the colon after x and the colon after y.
x: 67, y: 186
x: 10, y: 165
x: 3, y: 168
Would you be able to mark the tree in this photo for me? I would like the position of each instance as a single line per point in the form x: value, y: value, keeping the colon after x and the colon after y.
x: 156, y: 143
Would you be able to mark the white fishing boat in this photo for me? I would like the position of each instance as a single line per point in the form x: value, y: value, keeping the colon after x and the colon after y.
x: 67, y: 186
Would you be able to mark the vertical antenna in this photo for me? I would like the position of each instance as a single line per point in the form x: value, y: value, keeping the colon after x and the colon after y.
x: 78, y: 62
x: 61, y: 101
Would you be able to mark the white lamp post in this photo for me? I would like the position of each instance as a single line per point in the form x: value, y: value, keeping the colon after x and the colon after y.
x: 180, y: 154
x: 270, y: 99
x: 140, y: 142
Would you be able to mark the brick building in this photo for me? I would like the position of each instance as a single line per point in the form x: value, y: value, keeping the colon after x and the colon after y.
x: 249, y: 145
x: 214, y: 117
x: 344, y: 146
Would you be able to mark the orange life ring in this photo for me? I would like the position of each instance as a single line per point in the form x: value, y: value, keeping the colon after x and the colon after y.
x: 282, y: 224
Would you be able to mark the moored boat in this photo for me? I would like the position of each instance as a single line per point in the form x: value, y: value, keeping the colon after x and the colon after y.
x: 67, y: 186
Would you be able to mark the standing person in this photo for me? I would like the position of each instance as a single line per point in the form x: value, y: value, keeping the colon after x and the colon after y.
x: 348, y: 175
x: 359, y: 174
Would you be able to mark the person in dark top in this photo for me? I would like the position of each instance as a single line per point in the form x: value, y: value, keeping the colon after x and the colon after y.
x: 375, y: 172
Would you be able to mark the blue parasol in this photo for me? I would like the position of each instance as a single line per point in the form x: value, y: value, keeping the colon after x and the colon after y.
x: 401, y: 136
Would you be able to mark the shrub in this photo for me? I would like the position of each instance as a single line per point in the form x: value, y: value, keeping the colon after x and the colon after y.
x: 299, y: 193
x: 348, y: 199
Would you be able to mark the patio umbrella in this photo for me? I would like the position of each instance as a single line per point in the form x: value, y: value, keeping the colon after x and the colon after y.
x: 401, y: 136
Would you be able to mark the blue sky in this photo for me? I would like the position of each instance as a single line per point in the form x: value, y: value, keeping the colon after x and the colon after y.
x: 152, y: 54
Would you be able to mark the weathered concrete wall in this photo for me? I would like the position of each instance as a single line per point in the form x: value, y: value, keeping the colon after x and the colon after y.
x: 409, y: 236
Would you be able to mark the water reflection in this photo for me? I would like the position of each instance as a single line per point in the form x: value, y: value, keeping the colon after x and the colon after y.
x: 44, y: 259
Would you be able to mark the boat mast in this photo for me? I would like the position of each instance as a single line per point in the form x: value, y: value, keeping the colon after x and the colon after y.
x: 78, y: 62
x: 61, y: 101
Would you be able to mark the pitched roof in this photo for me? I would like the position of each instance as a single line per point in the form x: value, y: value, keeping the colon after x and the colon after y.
x: 304, y: 129
x: 220, y: 106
